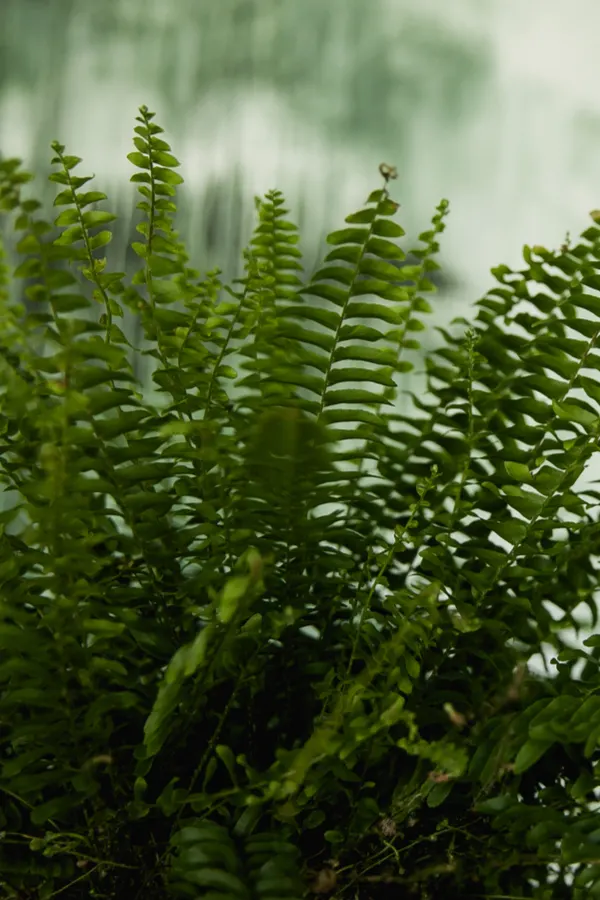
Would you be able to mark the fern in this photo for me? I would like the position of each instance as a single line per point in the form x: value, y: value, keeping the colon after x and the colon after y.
x: 227, y: 636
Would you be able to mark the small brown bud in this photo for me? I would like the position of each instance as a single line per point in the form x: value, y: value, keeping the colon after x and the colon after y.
x: 388, y: 171
x: 387, y: 827
x: 439, y: 777
x: 325, y: 882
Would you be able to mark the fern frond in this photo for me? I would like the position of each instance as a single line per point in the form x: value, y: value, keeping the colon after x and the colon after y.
x: 206, y: 858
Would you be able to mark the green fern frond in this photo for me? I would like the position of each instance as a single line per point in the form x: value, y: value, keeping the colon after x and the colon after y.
x: 271, y: 277
x: 207, y: 862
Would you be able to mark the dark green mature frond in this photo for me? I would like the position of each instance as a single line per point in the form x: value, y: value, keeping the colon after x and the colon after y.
x: 328, y: 349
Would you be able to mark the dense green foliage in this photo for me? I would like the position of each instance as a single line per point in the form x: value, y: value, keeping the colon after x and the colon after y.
x: 243, y: 658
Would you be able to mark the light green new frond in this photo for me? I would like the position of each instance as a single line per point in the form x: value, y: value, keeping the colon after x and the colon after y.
x: 80, y: 238
x: 272, y: 265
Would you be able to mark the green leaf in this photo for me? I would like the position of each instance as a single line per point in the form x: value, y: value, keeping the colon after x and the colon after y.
x: 97, y: 217
x: 376, y: 376
x: 165, y: 801
x: 364, y: 216
x: 512, y: 530
x: 334, y: 837
x: 314, y: 819
x: 227, y: 756
x: 67, y: 217
x: 55, y: 808
x: 385, y: 249
x: 195, y: 653
x: 140, y: 249
x: 165, y: 159
x: 139, y: 160
x: 528, y: 504
x: 333, y: 273
x: 394, y: 712
x: 439, y: 793
x: 373, y: 311
x: 59, y: 178
x: 318, y: 338
x: 495, y: 805
x: 355, y: 396
x: 156, y: 727
x: 328, y: 292
x: 518, y: 471
x: 348, y: 236
x: 387, y: 228
x: 529, y: 754
x: 360, y: 333
x: 351, y: 254
x: 574, y: 413
x: 69, y: 162
x: 381, y: 355
x: 167, y: 176
x: 381, y: 270
x: 67, y: 198
x: 322, y: 316
x: 100, y: 240
x: 234, y: 591
x: 70, y: 235
x: 161, y: 265
x: 103, y: 627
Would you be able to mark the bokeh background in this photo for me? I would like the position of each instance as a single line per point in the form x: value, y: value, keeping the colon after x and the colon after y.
x: 490, y: 103
x: 493, y: 104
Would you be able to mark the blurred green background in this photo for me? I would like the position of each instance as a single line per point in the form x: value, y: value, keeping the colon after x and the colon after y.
x: 490, y: 103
